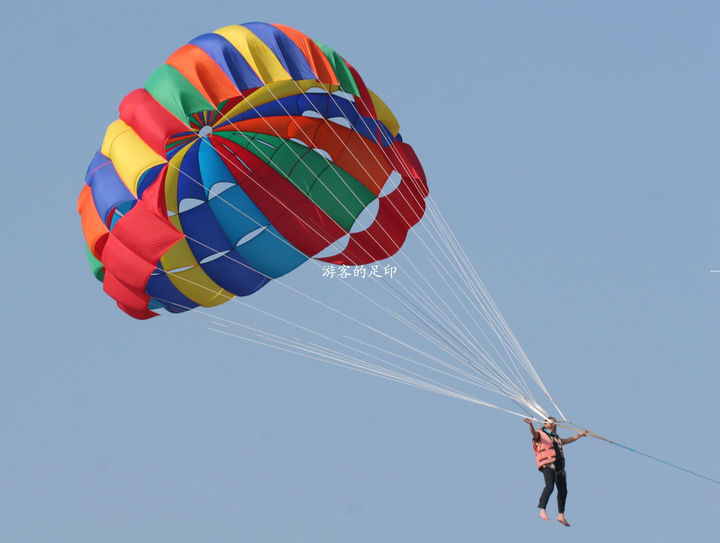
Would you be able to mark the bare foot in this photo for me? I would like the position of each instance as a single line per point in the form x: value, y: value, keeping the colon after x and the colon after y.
x: 561, y: 520
x: 543, y: 515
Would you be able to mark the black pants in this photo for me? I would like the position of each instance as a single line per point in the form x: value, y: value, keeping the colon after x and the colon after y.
x: 554, y: 477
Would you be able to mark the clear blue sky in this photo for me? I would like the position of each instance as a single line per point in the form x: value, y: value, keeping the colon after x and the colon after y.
x: 572, y: 146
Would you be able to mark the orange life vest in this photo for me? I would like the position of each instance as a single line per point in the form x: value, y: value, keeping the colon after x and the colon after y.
x: 545, y: 450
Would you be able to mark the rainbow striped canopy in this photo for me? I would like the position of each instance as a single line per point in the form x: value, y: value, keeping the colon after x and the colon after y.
x: 252, y: 149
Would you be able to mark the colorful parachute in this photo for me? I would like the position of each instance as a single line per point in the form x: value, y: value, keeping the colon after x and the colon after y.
x: 255, y: 148
x: 252, y: 149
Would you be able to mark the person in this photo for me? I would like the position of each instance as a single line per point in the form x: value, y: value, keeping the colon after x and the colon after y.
x: 548, y: 448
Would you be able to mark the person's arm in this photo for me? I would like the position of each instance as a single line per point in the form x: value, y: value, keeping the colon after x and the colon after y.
x: 532, y: 428
x: 573, y: 438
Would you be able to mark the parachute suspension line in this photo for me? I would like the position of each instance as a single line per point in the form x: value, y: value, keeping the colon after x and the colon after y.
x: 316, y: 177
x: 300, y: 158
x: 439, y: 324
x: 470, y: 348
x: 455, y: 290
x: 401, y: 159
x: 500, y: 326
x: 436, y: 339
x: 498, y: 380
x: 307, y: 347
x: 245, y: 265
x: 335, y: 341
x: 478, y: 304
x: 489, y: 319
x: 475, y: 381
x: 343, y: 181
x: 484, y: 355
x: 322, y: 358
x: 360, y: 163
x: 479, y: 287
x: 337, y: 358
x: 472, y: 380
x: 448, y: 347
x: 286, y: 321
x: 418, y: 314
x: 525, y: 407
x: 282, y: 283
x: 482, y: 306
x: 327, y: 356
x: 344, y: 359
x: 466, y: 377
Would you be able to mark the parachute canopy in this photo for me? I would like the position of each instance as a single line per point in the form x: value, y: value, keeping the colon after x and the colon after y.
x: 252, y: 149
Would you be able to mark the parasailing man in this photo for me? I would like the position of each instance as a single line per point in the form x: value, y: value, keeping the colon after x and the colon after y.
x: 547, y: 446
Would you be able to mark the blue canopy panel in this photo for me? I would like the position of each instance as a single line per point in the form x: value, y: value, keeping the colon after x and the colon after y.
x: 208, y: 243
x: 164, y: 292
x: 229, y: 59
x: 244, y: 225
x: 327, y: 105
x: 108, y: 190
x: 269, y: 252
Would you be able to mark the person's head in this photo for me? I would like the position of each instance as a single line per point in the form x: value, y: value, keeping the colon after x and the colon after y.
x: 551, y: 423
